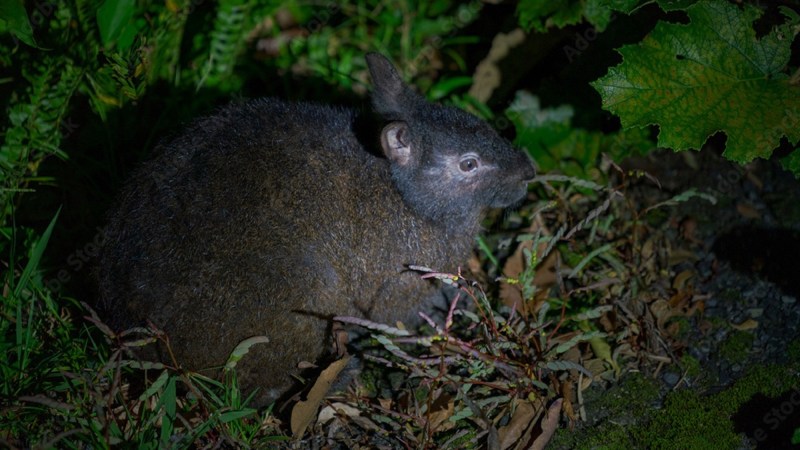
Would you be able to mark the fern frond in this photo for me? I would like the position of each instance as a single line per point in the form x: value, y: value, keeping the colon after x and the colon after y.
x: 227, y: 41
x: 165, y: 44
x: 87, y: 19
x: 35, y: 126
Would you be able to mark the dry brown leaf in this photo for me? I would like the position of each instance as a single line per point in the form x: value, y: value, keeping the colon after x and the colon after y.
x: 302, y: 365
x: 304, y: 412
x: 680, y: 281
x: 438, y: 418
x: 699, y: 303
x: 697, y: 306
x: 340, y: 339
x: 549, y: 425
x: 705, y: 326
x: 336, y: 409
x: 688, y: 229
x: 749, y: 324
x: 673, y: 329
x: 386, y: 403
x: 748, y: 211
x: 662, y: 311
x: 679, y: 255
x: 597, y: 367
x: 566, y: 405
x: 523, y: 417
x: 573, y: 355
x: 648, y: 249
x: 680, y: 300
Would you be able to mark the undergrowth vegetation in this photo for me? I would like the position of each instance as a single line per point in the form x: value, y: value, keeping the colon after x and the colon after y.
x: 578, y: 286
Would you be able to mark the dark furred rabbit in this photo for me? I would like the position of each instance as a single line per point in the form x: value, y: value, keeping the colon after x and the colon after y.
x: 269, y: 218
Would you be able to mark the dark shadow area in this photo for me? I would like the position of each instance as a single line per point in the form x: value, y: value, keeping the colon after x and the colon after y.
x: 770, y: 422
x: 768, y: 253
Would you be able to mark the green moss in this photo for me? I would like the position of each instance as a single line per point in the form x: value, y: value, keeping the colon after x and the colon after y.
x: 691, y: 366
x: 717, y: 322
x: 737, y: 346
x: 611, y: 437
x: 687, y: 421
x: 690, y: 420
x: 635, y: 396
x: 771, y: 381
x: 684, y: 327
x: 625, y: 403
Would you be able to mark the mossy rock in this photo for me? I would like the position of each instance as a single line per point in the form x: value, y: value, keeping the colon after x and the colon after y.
x: 688, y: 418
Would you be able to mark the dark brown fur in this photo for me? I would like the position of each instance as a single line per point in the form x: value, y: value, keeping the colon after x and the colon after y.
x: 269, y: 218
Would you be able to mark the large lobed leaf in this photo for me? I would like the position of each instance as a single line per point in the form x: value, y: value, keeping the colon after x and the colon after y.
x: 710, y: 75
x: 540, y: 15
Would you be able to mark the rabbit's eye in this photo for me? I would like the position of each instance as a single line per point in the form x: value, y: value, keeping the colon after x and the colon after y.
x: 469, y: 164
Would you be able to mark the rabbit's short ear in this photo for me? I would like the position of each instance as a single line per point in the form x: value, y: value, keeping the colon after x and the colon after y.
x: 391, y: 98
x: 396, y: 143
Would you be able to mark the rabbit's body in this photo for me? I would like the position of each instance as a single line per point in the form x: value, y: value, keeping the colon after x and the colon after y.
x: 269, y: 218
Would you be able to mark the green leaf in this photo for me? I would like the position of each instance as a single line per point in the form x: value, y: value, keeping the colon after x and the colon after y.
x: 446, y: 86
x: 684, y: 197
x: 155, y: 387
x: 548, y: 135
x: 564, y: 365
x: 227, y: 42
x: 792, y: 163
x: 35, y: 257
x: 603, y: 351
x: 168, y: 402
x: 592, y: 313
x: 14, y: 19
x: 599, y: 12
x: 563, y: 347
x: 230, y: 416
x: 710, y: 75
x: 540, y: 15
x: 115, y: 22
x: 242, y: 349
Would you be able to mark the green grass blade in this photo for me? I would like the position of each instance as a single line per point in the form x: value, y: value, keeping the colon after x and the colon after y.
x: 36, y: 257
x: 24, y: 328
x: 169, y: 403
